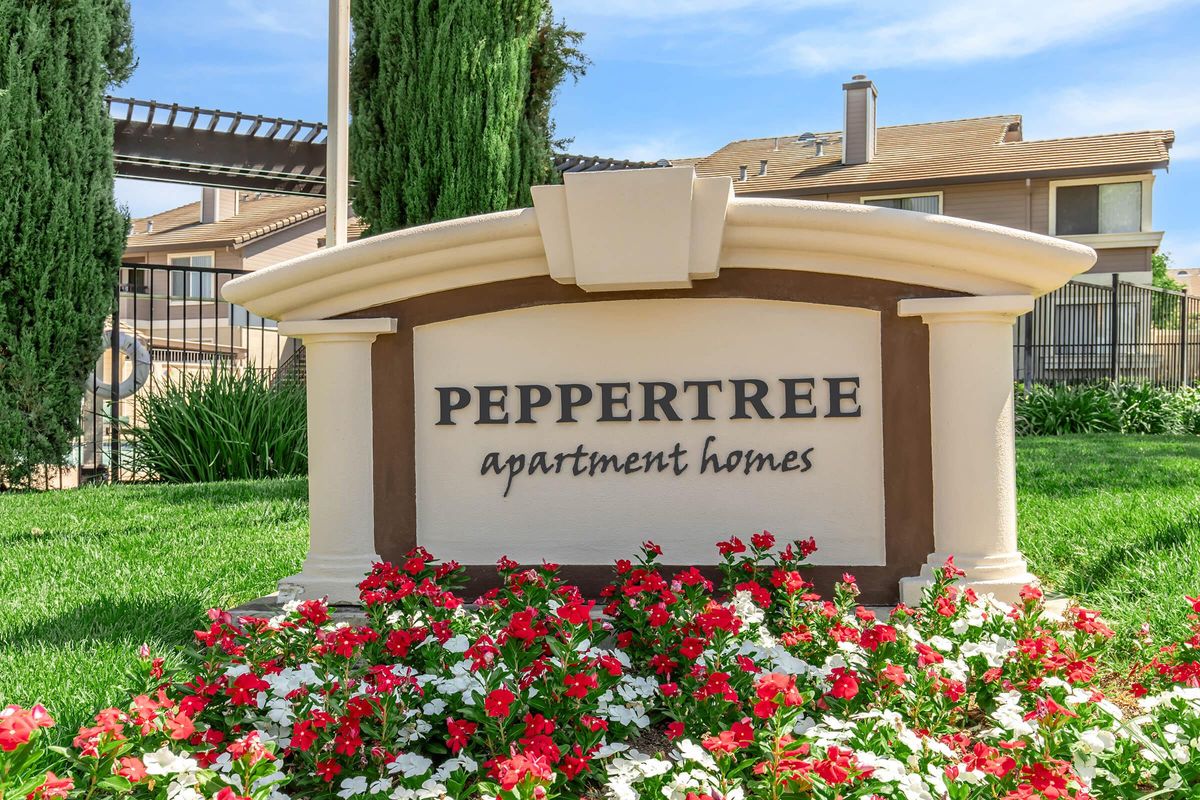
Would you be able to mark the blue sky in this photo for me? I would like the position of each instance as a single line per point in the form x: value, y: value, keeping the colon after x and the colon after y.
x: 675, y: 78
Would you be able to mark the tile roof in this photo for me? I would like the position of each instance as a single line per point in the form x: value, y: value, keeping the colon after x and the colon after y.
x: 258, y: 215
x: 931, y: 152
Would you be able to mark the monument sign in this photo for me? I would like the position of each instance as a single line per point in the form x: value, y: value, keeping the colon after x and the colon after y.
x: 642, y: 356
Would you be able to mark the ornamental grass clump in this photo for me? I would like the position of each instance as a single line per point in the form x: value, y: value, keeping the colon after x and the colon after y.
x: 222, y: 424
x: 689, y: 686
x: 1136, y: 408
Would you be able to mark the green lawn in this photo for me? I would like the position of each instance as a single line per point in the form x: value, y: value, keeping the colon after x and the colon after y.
x: 1115, y: 522
x: 88, y: 575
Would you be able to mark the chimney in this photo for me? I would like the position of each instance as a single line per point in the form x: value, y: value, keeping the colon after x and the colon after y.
x: 217, y: 204
x: 858, y: 138
x: 149, y: 226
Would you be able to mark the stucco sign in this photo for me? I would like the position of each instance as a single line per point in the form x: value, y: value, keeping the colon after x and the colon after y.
x: 676, y: 419
x: 644, y: 356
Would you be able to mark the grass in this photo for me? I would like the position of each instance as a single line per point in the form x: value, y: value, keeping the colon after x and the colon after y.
x: 1114, y: 521
x: 88, y: 575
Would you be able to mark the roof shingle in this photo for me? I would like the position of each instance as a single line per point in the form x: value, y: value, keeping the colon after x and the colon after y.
x: 258, y: 215
x: 930, y: 152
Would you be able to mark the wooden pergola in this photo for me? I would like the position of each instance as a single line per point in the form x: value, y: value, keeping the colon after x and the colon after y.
x: 230, y: 149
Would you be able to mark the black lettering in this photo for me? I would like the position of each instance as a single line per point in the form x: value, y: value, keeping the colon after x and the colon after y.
x: 760, y: 461
x: 526, y: 393
x: 652, y: 402
x: 793, y: 396
x: 609, y: 401
x: 577, y: 469
x: 451, y: 399
x: 677, y: 463
x: 837, y: 395
x: 572, y: 396
x: 604, y: 463
x: 487, y: 403
x: 744, y: 398
x: 631, y: 464
x: 703, y: 388
x: 789, y: 461
x: 540, y: 462
x: 657, y: 460
x: 708, y: 459
x: 804, y: 457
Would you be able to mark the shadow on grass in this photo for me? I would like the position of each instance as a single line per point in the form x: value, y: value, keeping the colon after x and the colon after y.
x: 166, y: 620
x: 1113, y: 564
x: 1074, y: 466
x: 214, y: 495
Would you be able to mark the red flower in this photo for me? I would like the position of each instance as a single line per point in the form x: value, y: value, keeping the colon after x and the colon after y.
x: 227, y: 793
x: 578, y: 684
x: 763, y: 541
x: 836, y: 767
x: 577, y: 612
x: 131, y: 769
x: 498, y: 702
x: 691, y: 648
x: 460, y: 731
x: 328, y: 769
x: 739, y: 735
x: 674, y: 730
x: 894, y: 673
x: 845, y: 683
x: 651, y: 549
x: 245, y: 688
x: 731, y: 547
x: 52, y: 786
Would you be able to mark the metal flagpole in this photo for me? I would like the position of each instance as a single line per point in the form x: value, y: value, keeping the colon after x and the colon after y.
x: 337, y: 145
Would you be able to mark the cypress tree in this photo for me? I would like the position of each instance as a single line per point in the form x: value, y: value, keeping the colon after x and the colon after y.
x: 61, y: 234
x: 450, y: 103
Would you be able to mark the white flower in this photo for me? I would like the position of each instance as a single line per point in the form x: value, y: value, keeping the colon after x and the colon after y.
x: 744, y: 607
x: 457, y: 644
x: 410, y: 765
x: 164, y: 762
x: 353, y: 787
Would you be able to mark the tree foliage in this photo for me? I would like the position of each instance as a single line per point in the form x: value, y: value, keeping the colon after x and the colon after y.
x: 61, y: 234
x: 451, y: 105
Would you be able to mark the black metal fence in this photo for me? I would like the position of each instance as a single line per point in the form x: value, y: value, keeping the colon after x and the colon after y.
x: 1116, y: 330
x: 167, y: 321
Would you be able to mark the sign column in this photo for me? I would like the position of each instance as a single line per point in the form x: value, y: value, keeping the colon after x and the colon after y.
x: 974, y: 463
x: 341, y: 473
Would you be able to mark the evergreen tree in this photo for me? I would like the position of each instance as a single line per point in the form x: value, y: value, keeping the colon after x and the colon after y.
x: 450, y: 103
x: 61, y: 234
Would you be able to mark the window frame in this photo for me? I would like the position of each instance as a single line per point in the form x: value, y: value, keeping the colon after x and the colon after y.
x: 905, y: 195
x: 1145, y: 237
x: 173, y: 268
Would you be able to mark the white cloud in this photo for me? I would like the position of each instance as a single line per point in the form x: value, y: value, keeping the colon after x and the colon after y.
x: 150, y: 197
x: 1127, y: 100
x: 674, y: 9
x: 305, y: 19
x: 957, y: 32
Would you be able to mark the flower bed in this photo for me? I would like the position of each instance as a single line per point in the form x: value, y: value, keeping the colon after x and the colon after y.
x: 756, y: 688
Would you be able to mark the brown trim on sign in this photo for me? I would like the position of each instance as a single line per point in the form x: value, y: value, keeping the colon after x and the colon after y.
x: 908, y: 460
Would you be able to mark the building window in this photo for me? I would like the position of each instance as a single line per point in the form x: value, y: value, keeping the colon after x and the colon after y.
x: 924, y: 203
x: 1098, y: 208
x: 137, y: 281
x: 187, y: 284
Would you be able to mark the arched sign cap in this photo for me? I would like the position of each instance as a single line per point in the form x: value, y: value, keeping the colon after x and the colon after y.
x: 656, y: 228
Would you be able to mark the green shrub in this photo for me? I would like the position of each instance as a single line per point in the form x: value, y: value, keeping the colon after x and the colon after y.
x: 1139, y: 408
x: 222, y: 425
x: 1057, y: 410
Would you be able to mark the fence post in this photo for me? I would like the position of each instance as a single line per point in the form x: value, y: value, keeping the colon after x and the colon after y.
x: 1183, y: 337
x: 114, y: 403
x: 1114, y: 326
x: 1029, y: 350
